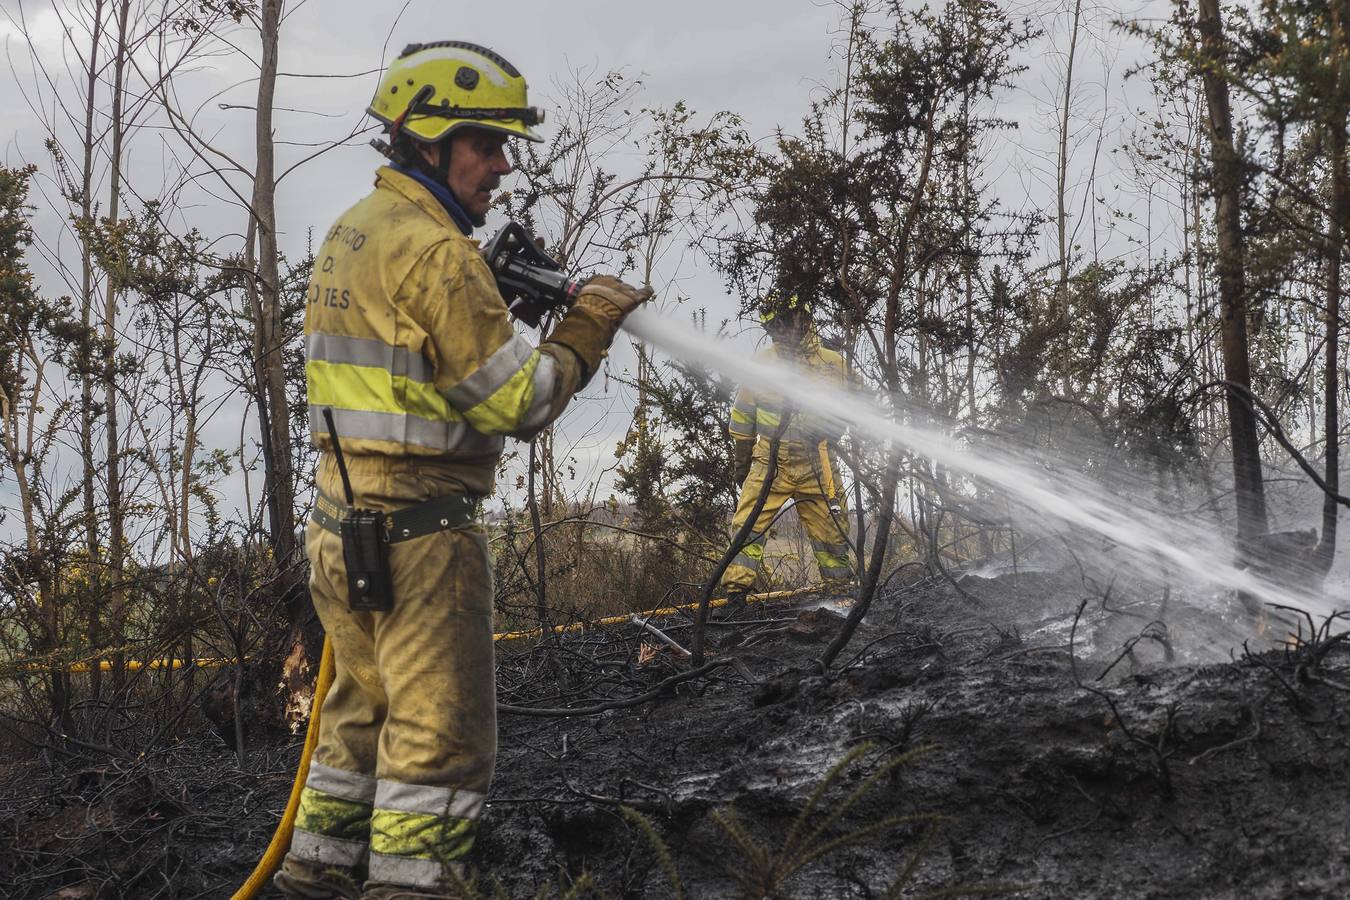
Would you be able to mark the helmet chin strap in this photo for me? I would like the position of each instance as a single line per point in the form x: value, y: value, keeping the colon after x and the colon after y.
x: 443, y: 165
x: 406, y: 154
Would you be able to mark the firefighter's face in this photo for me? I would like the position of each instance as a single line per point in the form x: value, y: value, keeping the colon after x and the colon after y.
x: 477, y: 163
x: 789, y: 328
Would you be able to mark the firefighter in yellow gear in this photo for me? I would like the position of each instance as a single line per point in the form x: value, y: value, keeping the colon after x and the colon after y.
x: 409, y: 346
x: 807, y: 472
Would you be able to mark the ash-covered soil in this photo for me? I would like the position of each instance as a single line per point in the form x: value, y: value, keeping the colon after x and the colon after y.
x: 1158, y: 780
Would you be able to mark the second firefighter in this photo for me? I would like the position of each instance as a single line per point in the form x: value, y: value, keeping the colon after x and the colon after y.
x: 807, y: 472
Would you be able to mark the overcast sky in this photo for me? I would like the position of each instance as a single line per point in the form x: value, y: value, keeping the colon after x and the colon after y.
x: 763, y: 59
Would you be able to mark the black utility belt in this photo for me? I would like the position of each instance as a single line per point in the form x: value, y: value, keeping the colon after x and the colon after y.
x: 405, y: 524
x: 367, y: 533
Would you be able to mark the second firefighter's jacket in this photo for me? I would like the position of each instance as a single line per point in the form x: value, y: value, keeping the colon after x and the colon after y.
x: 759, y: 414
x: 408, y: 341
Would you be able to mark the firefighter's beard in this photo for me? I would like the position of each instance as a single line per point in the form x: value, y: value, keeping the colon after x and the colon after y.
x: 479, y: 219
x: 476, y: 218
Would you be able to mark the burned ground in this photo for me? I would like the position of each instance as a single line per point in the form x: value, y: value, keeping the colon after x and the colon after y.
x: 1156, y: 781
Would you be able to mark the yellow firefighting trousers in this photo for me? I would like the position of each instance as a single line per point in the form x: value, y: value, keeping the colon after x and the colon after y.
x: 408, y: 732
x: 807, y: 476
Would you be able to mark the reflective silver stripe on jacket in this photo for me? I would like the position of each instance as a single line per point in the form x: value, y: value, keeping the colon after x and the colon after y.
x: 369, y: 352
x: 488, y: 378
x: 484, y: 385
x: 545, y: 383
x: 405, y: 428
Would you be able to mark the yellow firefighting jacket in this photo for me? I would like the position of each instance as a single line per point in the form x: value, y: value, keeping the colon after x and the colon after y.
x: 408, y: 341
x: 759, y: 414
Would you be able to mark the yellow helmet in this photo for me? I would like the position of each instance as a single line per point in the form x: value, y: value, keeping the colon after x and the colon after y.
x: 434, y: 89
x: 771, y: 306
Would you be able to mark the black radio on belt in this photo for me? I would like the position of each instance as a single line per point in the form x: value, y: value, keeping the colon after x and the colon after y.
x: 365, y: 545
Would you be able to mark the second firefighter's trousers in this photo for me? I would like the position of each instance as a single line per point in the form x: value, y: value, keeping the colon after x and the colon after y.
x: 807, y: 475
x: 408, y: 731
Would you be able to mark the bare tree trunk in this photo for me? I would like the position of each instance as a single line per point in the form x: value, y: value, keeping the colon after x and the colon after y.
x: 854, y: 313
x: 1227, y: 185
x: 21, y: 455
x: 87, y: 291
x: 60, y: 681
x: 1340, y: 206
x: 540, y: 562
x: 18, y: 440
x: 269, y: 340
x: 1061, y: 218
x: 300, y: 653
x: 113, y: 464
x: 900, y: 273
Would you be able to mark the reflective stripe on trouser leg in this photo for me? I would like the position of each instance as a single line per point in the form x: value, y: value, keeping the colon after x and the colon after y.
x: 828, y: 533
x: 420, y: 834
x: 435, y: 656
x: 740, y: 575
x: 832, y: 560
x: 332, y: 826
x: 744, y: 567
x: 751, y: 554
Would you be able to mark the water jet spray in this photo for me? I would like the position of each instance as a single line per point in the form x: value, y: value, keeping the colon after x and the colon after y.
x: 1153, y: 534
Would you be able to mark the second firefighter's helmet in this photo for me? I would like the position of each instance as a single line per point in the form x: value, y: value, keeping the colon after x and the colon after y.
x: 434, y: 89
x: 777, y: 307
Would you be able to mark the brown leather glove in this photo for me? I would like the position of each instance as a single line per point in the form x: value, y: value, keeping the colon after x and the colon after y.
x: 610, y: 299
x: 745, y: 455
x: 600, y: 308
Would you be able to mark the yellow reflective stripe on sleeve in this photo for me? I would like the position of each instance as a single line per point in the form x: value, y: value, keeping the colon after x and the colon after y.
x: 511, y: 393
x: 505, y: 411
x: 488, y: 379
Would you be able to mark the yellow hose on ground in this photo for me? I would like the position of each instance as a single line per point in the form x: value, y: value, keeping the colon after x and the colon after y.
x: 646, y: 614
x: 281, y: 840
x: 135, y: 665
x: 130, y: 665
